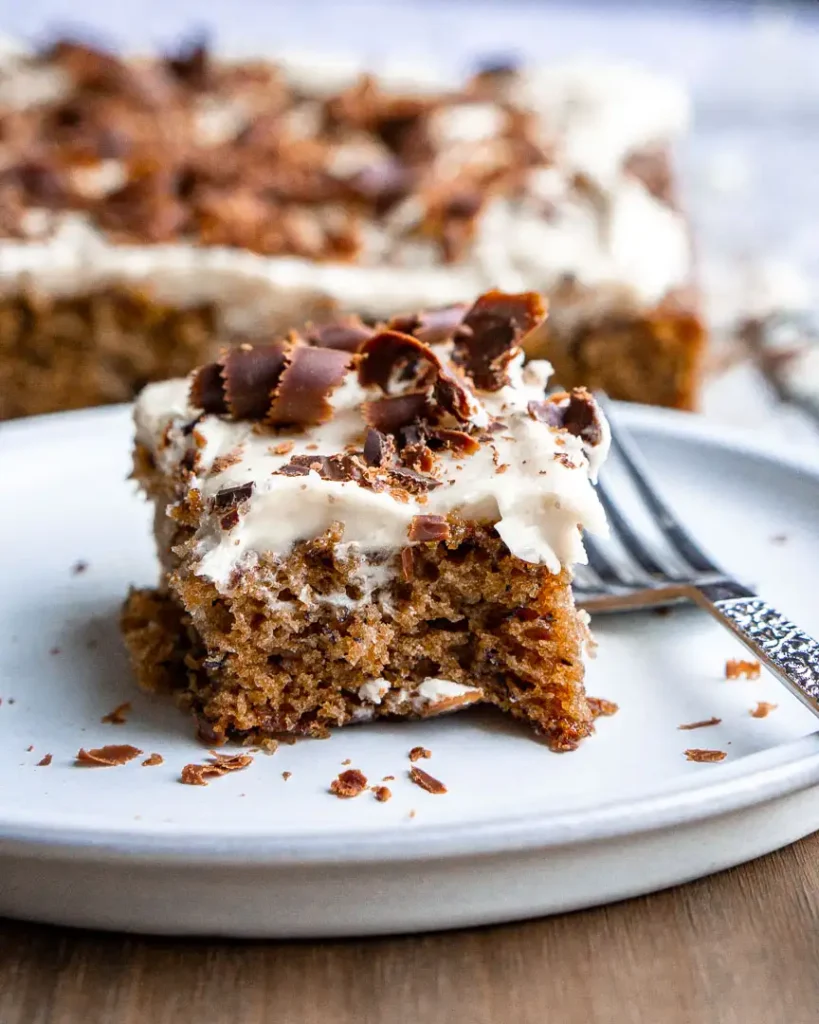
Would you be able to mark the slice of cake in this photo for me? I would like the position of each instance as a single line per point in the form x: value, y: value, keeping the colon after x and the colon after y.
x: 155, y: 209
x: 364, y: 522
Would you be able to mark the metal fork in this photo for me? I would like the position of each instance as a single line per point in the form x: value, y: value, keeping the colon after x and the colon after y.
x: 660, y: 563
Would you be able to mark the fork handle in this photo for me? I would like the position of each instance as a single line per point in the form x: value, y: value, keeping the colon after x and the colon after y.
x: 790, y: 653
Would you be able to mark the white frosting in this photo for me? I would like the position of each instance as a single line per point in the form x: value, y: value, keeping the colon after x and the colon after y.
x: 593, y: 115
x: 434, y: 691
x: 537, y: 503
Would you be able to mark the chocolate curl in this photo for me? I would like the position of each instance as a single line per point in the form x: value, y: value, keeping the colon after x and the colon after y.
x: 496, y: 326
x: 575, y: 411
x: 434, y: 325
x: 308, y: 380
x: 389, y: 415
x: 208, y: 390
x: 387, y: 352
x: 429, y: 528
x: 347, y: 334
x: 251, y: 376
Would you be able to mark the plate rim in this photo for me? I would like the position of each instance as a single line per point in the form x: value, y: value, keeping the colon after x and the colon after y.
x: 764, y: 776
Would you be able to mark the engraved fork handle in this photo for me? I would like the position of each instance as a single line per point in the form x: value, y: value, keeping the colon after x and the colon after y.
x: 790, y: 653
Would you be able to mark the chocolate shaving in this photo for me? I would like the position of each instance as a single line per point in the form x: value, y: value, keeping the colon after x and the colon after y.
x: 426, y: 781
x: 415, y: 483
x: 230, y: 497
x: 390, y: 353
x: 705, y: 756
x: 107, y: 757
x: 429, y: 528
x: 349, y: 784
x: 251, y: 374
x: 389, y: 415
x: 328, y: 467
x: 457, y: 440
x: 703, y: 724
x: 496, y: 326
x: 308, y: 380
x: 346, y: 334
x: 117, y: 716
x: 208, y: 390
x: 576, y: 412
x: 379, y: 450
x: 216, y: 765
x: 435, y: 325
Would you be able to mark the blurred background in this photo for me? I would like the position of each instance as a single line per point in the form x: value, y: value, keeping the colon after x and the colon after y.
x: 748, y: 170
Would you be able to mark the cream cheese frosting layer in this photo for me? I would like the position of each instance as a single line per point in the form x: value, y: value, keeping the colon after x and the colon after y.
x: 532, y: 482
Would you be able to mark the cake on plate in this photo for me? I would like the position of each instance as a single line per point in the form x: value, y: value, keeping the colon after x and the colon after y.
x: 153, y: 210
x: 360, y: 521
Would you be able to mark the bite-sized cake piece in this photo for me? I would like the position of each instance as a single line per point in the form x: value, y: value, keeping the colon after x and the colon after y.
x: 361, y: 522
x: 152, y: 210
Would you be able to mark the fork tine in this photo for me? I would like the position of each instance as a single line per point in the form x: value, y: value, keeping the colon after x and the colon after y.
x: 673, y: 531
x: 627, y: 536
x: 610, y: 575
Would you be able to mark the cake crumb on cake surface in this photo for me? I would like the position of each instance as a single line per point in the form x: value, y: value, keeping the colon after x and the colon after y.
x: 359, y: 558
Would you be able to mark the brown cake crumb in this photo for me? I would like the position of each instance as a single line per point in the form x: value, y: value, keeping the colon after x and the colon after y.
x: 412, y: 813
x: 763, y: 709
x: 282, y: 448
x: 29, y: 748
x: 117, y: 716
x: 425, y: 781
x: 388, y: 778
x: 382, y: 793
x: 45, y: 761
x: 602, y: 708
x: 346, y: 761
x: 152, y: 760
x: 78, y: 567
x: 705, y: 756
x: 108, y: 756
x: 286, y: 775
x: 701, y: 725
x: 216, y: 765
x: 418, y: 752
x: 349, y: 784
x: 54, y: 650
x: 737, y: 668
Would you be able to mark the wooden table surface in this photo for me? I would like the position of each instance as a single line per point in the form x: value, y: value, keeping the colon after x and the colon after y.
x: 739, y: 948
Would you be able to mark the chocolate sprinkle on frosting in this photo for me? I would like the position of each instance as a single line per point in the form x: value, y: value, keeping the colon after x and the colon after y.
x: 233, y: 496
x: 496, y: 326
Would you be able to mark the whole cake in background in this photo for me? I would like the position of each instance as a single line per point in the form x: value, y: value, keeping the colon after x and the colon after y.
x: 365, y: 522
x: 153, y: 210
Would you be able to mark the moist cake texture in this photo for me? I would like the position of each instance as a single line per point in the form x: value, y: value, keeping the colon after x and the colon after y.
x: 358, y: 522
x: 153, y: 207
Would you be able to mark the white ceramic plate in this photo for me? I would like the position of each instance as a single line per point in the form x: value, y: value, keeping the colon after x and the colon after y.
x: 521, y: 832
